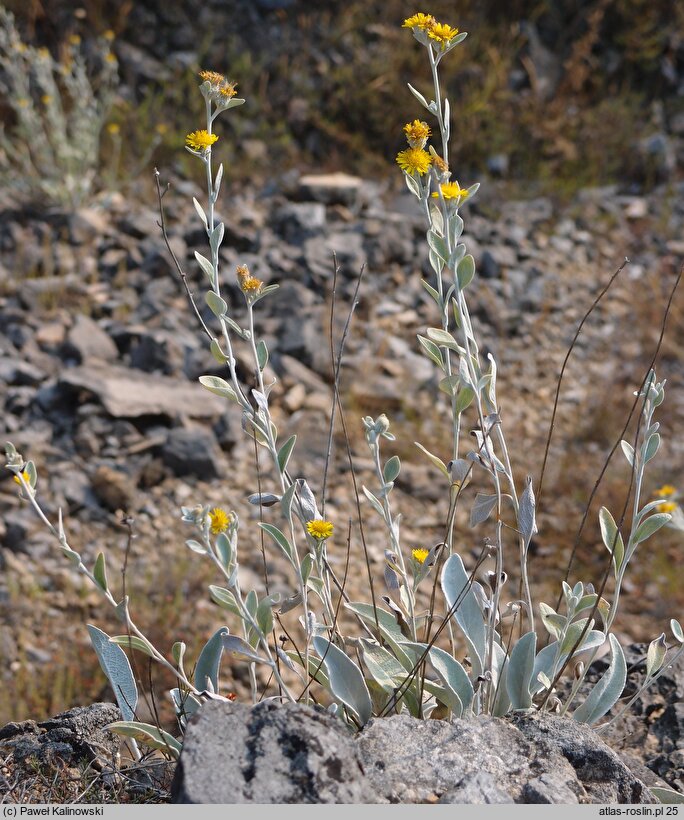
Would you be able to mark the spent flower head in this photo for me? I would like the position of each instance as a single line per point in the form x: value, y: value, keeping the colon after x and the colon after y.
x: 417, y: 133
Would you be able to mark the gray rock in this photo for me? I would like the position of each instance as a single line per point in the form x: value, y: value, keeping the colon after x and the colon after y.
x: 268, y: 754
x: 332, y: 189
x: 130, y: 393
x: 192, y: 451
x: 87, y: 340
x: 298, y: 220
x: 71, y: 736
x: 482, y: 788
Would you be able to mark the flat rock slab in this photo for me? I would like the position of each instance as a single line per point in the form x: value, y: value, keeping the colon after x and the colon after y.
x: 129, y: 393
x: 299, y: 754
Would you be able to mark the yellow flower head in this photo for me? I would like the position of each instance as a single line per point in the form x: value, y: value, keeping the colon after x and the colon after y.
x: 420, y: 21
x: 420, y: 555
x: 319, y: 529
x: 110, y: 58
x: 109, y: 35
x: 43, y: 53
x: 113, y: 128
x: 212, y: 77
x: 200, y: 140
x: 417, y: 133
x: 452, y: 190
x: 219, y: 520
x: 25, y: 476
x: 414, y: 161
x: 74, y: 40
x: 46, y: 99
x: 251, y: 285
x: 667, y: 506
x: 443, y: 33
x: 665, y: 491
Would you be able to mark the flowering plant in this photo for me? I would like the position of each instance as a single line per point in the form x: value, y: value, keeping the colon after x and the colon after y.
x: 460, y: 656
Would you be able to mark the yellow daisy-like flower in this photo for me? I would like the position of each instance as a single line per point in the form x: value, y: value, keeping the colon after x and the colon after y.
x: 46, y: 99
x: 212, y: 77
x: 414, y: 161
x: 200, y: 140
x: 420, y: 555
x: 665, y: 491
x: 417, y: 133
x: 319, y: 529
x: 421, y: 21
x: 109, y: 35
x: 443, y: 33
x: 113, y: 128
x: 219, y: 520
x: 667, y: 507
x: 452, y: 190
x: 251, y: 285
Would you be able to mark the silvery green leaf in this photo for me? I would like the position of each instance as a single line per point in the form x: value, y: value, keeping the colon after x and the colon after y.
x: 218, y: 386
x: 217, y: 353
x: 606, y: 692
x: 459, y: 38
x: 412, y: 184
x: 375, y: 503
x: 456, y: 256
x: 464, y: 373
x: 436, y: 261
x: 100, y: 572
x: 217, y: 181
x: 200, y: 212
x: 443, y: 338
x: 232, y: 103
x: 383, y: 667
x: 147, y: 734
x: 436, y: 218
x: 346, y: 681
x: 447, y: 694
x: 456, y: 585
x: 133, y: 642
x: 207, y: 668
x: 572, y: 635
x: 216, y: 304
x: 453, y: 675
x: 264, y: 292
x: 473, y: 190
x: 655, y: 656
x: 527, y: 521
x: 286, y: 501
x: 117, y: 668
x: 185, y: 704
x: 264, y: 613
x: 293, y: 601
x: 651, y: 447
x: 307, y: 566
x: 307, y: 500
x: 243, y: 334
x: 553, y: 622
x: 391, y: 469
x: 195, y: 546
x: 263, y: 499
x: 482, y: 508
x: 464, y: 399
x: 492, y: 380
x: 439, y: 464
x: 280, y: 540
x: 434, y: 293
x: 285, y: 452
x: 676, y: 628
x: 611, y: 537
x: 316, y: 668
x: 457, y: 224
x: 252, y: 602
x: 628, y: 450
x: 225, y: 548
x: 466, y: 271
x: 447, y: 116
x: 261, y: 400
x: 239, y: 648
x: 32, y: 473
x: 421, y: 99
x: 386, y: 620
x: 432, y: 351
x: 649, y: 526
x: 449, y: 385
x: 666, y: 796
x: 438, y: 245
x: 262, y: 354
x: 520, y: 670
x: 216, y: 238
x: 502, y: 703
x: 206, y: 266
x: 225, y: 599
x: 458, y: 470
x: 547, y: 662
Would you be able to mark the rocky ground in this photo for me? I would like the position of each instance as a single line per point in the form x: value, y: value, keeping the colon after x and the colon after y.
x: 100, y: 356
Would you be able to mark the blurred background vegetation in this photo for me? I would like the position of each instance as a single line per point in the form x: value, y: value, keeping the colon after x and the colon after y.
x: 569, y: 93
